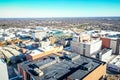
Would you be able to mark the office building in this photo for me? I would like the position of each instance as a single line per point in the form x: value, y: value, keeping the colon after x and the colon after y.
x: 85, y: 45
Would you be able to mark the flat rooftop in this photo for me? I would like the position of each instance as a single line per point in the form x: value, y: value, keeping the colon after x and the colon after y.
x: 40, y: 50
x: 59, y: 68
x: 116, y: 61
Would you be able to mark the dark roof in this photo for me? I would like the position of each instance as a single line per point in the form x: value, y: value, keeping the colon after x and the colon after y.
x: 57, y: 69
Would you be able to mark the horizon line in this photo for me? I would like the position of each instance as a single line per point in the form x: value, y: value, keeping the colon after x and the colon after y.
x: 64, y: 17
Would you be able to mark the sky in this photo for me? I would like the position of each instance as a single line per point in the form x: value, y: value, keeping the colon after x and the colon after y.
x: 58, y: 8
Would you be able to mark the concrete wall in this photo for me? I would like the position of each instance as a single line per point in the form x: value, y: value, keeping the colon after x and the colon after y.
x: 118, y: 47
x: 89, y: 48
x: 106, y: 55
x: 113, y: 44
x: 94, y: 47
x: 75, y: 46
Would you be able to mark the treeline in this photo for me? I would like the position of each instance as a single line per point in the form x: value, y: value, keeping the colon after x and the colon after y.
x: 107, y: 23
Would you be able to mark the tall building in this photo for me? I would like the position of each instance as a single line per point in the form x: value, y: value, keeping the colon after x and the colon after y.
x: 111, y: 42
x: 85, y: 45
x: 110, y: 39
x: 3, y: 70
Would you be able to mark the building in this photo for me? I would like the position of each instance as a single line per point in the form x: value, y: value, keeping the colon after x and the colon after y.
x: 42, y: 52
x: 38, y: 34
x: 114, y: 65
x: 3, y: 70
x: 114, y: 43
x: 68, y: 67
x: 110, y: 39
x: 104, y: 55
x: 11, y: 54
x: 8, y: 56
x: 85, y: 45
x: 65, y: 42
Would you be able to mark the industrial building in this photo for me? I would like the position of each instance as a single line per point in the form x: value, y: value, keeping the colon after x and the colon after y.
x: 68, y: 67
x: 3, y: 70
x: 85, y: 45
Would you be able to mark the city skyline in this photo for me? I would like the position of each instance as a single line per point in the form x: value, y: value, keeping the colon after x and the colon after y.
x: 58, y: 8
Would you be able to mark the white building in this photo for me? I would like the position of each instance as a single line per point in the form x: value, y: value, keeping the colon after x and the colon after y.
x: 85, y: 46
x: 38, y: 34
x: 110, y: 39
x: 41, y: 28
x: 3, y: 70
x: 104, y: 55
x: 114, y: 65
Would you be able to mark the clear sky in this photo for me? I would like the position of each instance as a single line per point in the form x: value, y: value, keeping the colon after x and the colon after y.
x: 59, y: 8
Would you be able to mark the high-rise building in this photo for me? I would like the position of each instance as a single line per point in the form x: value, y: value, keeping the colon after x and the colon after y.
x: 3, y: 70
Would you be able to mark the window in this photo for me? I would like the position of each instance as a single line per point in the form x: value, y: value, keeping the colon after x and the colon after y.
x: 28, y: 76
x: 83, y: 51
x: 84, y: 46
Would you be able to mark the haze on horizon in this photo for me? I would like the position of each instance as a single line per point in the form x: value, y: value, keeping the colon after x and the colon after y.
x: 58, y: 8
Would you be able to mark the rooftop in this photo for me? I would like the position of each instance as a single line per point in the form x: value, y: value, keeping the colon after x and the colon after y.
x: 40, y: 50
x: 57, y: 68
x: 116, y: 61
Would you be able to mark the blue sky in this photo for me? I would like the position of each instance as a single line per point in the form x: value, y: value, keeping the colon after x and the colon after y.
x: 59, y: 8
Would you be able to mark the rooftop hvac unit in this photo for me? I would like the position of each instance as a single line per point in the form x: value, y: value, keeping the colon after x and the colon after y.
x: 33, y: 72
x: 33, y: 66
x: 72, y: 56
x: 40, y: 73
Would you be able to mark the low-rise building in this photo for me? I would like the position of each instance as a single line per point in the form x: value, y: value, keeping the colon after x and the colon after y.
x: 38, y: 34
x: 68, y: 67
x: 104, y: 55
x: 8, y: 56
x: 42, y: 52
x: 114, y: 65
